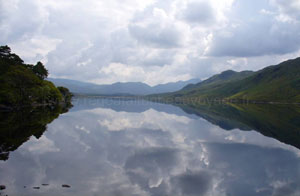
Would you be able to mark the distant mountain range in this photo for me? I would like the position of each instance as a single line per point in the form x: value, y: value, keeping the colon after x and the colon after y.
x: 277, y: 83
x: 128, y: 88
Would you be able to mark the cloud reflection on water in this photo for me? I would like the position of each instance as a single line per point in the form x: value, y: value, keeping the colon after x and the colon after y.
x: 103, y: 151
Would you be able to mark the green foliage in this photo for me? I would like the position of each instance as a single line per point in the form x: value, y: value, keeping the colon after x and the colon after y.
x: 40, y: 70
x: 48, y: 93
x: 23, y: 84
x: 67, y: 95
x: 17, y: 85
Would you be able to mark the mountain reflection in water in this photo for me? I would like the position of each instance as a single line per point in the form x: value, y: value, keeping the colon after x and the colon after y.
x: 129, y: 147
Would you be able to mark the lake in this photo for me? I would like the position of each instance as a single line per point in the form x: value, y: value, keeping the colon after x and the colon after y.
x: 122, y: 147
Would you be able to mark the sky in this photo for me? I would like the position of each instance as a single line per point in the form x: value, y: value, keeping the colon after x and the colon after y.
x: 150, y: 41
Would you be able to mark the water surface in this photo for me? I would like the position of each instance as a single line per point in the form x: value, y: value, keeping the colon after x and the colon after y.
x: 129, y: 147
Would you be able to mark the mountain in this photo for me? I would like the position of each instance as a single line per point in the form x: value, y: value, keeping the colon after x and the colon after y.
x: 277, y: 83
x: 225, y: 76
x: 174, y: 86
x: 128, y: 88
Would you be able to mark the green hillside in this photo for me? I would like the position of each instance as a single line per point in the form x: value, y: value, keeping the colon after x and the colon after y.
x: 228, y: 75
x: 23, y: 84
x: 278, y: 83
x: 274, y: 83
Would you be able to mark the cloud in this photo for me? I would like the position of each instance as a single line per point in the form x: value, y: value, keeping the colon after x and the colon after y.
x: 18, y: 24
x: 120, y: 121
x: 254, y: 33
x: 156, y: 30
x: 192, y: 183
x: 199, y: 12
x: 124, y: 51
x: 256, y: 39
x: 41, y: 146
x: 36, y: 48
x: 160, y: 150
x: 151, y: 41
x: 289, y: 10
x: 259, y: 182
x: 156, y: 35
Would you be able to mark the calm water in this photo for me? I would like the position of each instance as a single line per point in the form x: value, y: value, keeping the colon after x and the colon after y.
x: 113, y: 148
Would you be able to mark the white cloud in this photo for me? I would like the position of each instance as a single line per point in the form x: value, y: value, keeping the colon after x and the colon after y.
x: 150, y: 41
x: 122, y: 72
x: 157, y: 29
x: 289, y: 10
x: 154, y: 120
x: 255, y: 33
x: 35, y: 48
x: 41, y: 145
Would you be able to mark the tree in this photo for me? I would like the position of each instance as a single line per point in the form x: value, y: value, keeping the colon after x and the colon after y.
x: 24, y: 84
x: 5, y: 54
x: 4, y: 51
x: 40, y: 70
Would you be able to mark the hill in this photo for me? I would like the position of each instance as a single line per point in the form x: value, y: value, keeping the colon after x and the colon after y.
x: 128, y: 88
x: 277, y: 83
x: 174, y: 86
x: 227, y: 76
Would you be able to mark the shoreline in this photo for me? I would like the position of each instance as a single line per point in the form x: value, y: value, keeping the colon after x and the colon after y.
x: 187, y: 101
x: 4, y: 108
